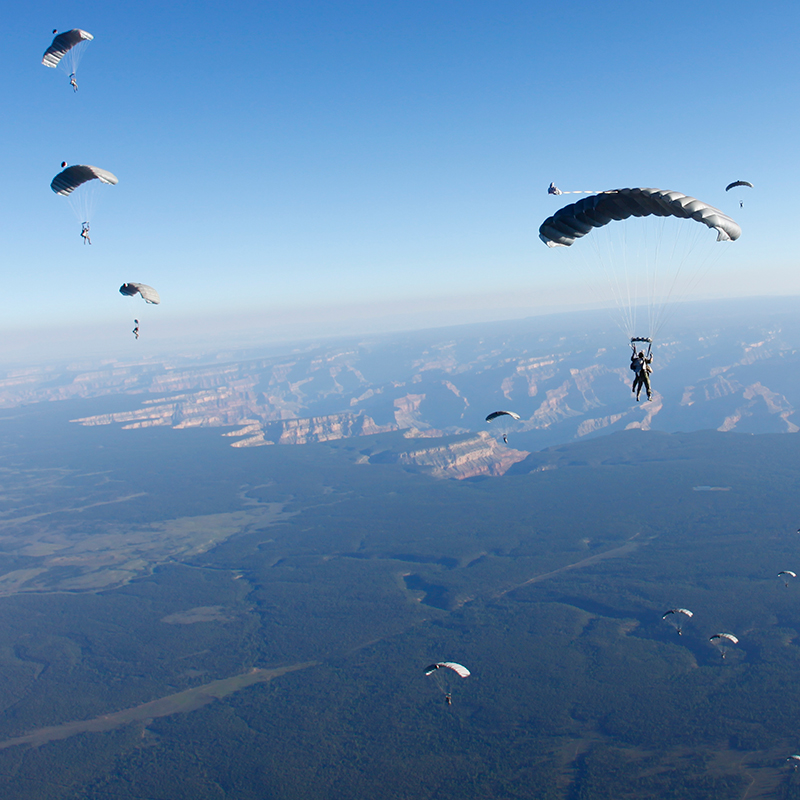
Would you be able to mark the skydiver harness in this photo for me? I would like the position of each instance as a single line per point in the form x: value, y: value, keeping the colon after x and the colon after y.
x: 638, y: 364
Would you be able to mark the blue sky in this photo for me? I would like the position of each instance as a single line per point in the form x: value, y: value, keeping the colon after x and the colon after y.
x: 332, y: 162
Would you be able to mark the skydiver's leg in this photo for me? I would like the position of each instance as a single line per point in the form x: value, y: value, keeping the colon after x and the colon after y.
x: 646, y: 382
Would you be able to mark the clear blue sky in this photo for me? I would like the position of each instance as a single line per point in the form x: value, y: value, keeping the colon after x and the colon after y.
x: 330, y: 160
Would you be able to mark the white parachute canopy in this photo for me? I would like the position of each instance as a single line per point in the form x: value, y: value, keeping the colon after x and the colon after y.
x: 78, y: 184
x: 786, y: 575
x: 66, y: 50
x: 496, y: 414
x: 676, y: 617
x: 148, y: 293
x: 459, y: 669
x: 446, y: 675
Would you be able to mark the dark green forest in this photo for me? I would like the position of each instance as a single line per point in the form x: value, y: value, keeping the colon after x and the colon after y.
x: 548, y: 583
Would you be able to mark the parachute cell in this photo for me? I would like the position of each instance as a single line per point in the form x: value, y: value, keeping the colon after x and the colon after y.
x: 63, y: 44
x: 148, y: 293
x: 496, y: 414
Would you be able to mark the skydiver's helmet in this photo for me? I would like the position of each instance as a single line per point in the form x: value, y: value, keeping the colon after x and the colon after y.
x: 641, y: 354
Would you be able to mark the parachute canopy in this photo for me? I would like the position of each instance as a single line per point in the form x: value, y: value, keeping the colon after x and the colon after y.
x: 577, y: 219
x: 148, y: 293
x: 738, y: 183
x: 460, y: 670
x: 62, y: 44
x: 72, y: 177
x: 787, y: 572
x: 685, y: 611
x: 496, y: 414
x: 724, y: 638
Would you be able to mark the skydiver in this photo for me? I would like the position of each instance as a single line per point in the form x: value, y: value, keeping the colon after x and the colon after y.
x: 643, y: 375
x: 741, y: 204
x: 73, y: 83
x: 505, y: 439
x: 448, y: 699
x: 636, y: 365
x: 85, y: 233
x: 135, y: 331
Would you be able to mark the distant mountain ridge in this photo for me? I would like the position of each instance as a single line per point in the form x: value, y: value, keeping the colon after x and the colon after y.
x: 733, y: 367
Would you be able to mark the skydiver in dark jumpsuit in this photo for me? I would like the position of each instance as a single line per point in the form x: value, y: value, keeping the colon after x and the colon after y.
x: 642, y: 375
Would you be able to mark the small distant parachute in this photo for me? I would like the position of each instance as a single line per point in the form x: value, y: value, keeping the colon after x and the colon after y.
x: 795, y: 761
x: 785, y: 575
x: 553, y: 189
x: 78, y: 184
x: 724, y: 641
x: 738, y: 183
x: 496, y: 414
x: 459, y: 669
x: 676, y: 617
x: 72, y: 177
x: 446, y: 674
x: 148, y: 293
x: 66, y: 50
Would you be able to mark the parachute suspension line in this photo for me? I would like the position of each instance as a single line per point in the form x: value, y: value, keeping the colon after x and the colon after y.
x: 615, y: 267
x: 72, y: 59
x: 694, y: 252
x: 83, y: 199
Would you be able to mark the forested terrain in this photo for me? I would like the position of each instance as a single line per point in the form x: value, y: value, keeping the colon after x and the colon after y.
x: 548, y: 583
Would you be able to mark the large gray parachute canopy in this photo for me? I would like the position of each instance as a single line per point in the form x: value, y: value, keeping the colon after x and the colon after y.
x: 72, y: 177
x: 738, y: 183
x: 459, y: 669
x: 496, y: 414
x: 577, y: 219
x: 62, y: 44
x: 148, y: 293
